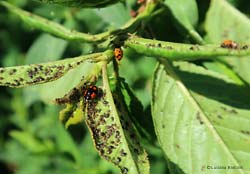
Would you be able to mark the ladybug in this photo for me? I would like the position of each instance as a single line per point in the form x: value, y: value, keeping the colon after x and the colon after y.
x: 229, y: 44
x: 90, y: 93
x: 118, y: 53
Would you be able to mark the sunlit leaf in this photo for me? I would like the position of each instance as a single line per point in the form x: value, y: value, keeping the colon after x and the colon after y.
x: 82, y: 3
x: 186, y: 14
x: 20, y: 76
x: 117, y: 18
x: 43, y: 49
x: 181, y: 51
x: 199, y: 120
x: 223, y: 21
x: 115, y: 140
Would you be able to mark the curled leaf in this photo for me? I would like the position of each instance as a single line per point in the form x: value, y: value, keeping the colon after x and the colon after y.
x: 81, y: 3
x: 180, y: 51
x: 114, y: 135
x: 20, y: 76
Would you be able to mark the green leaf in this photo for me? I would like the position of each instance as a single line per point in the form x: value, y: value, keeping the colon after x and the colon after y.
x: 37, y: 53
x: 180, y: 51
x: 81, y: 3
x: 64, y: 87
x: 76, y: 118
x: 52, y: 12
x: 51, y: 27
x: 62, y: 137
x: 116, y: 142
x: 20, y: 76
x: 117, y: 18
x: 67, y: 112
x: 134, y: 109
x: 223, y: 21
x: 223, y: 69
x: 93, y: 22
x: 140, y: 68
x: 185, y: 11
x: 31, y: 143
x: 48, y: 92
x: 186, y: 14
x: 203, y: 122
x: 72, y: 114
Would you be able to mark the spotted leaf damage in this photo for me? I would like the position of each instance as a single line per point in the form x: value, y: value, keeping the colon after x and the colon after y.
x: 20, y: 76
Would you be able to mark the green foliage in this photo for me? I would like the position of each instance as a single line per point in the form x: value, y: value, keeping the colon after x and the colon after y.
x: 176, y: 51
x: 177, y: 102
x: 81, y: 3
x: 181, y: 12
x: 39, y: 73
x: 199, y: 124
x: 114, y: 135
x: 235, y: 26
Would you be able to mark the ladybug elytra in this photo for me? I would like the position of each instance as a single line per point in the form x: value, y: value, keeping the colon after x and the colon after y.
x: 229, y: 44
x: 118, y: 53
x: 90, y: 93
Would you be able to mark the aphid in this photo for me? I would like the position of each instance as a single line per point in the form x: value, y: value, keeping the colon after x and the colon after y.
x: 118, y: 53
x: 229, y: 44
x: 90, y: 93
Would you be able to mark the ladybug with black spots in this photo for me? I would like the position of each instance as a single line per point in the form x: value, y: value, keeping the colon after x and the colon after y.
x: 90, y: 93
x: 229, y: 44
x: 118, y: 53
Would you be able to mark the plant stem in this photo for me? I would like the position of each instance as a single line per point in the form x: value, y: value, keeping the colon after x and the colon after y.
x: 180, y: 51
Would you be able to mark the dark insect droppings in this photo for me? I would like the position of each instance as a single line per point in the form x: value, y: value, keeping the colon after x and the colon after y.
x: 245, y: 132
x: 13, y: 71
x: 245, y: 47
x: 105, y: 102
x: 102, y: 151
x: 199, y: 118
x: 169, y: 47
x: 17, y: 82
x: 123, y: 153
x: 118, y: 160
x: 124, y: 170
x: 30, y: 73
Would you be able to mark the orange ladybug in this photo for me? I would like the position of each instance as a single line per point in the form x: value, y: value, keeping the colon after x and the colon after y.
x: 229, y: 44
x: 118, y: 53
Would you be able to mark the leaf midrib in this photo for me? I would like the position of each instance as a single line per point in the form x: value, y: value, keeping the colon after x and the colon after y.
x: 196, y: 105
